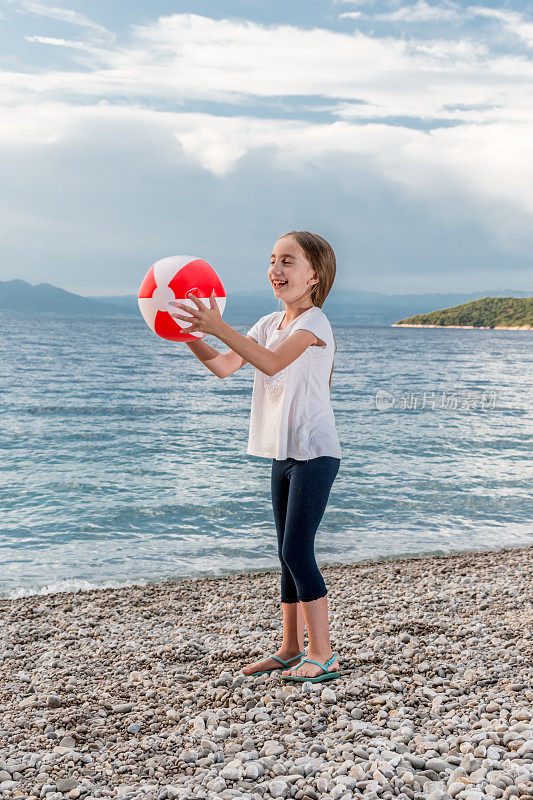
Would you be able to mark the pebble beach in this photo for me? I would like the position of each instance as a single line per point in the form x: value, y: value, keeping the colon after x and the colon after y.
x: 137, y: 692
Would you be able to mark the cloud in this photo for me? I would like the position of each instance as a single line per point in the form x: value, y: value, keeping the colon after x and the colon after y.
x: 511, y: 20
x: 483, y: 163
x: 93, y: 211
x: 55, y: 41
x: 63, y: 15
x: 421, y: 12
x: 184, y: 57
x: 442, y: 121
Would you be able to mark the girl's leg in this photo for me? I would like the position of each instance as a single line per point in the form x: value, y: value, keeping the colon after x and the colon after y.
x: 293, y: 630
x: 310, y: 486
x: 317, y: 623
x: 280, y: 484
x: 293, y: 620
x: 293, y: 639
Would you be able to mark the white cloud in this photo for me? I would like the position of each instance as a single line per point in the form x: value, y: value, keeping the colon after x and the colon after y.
x: 190, y: 57
x: 186, y: 56
x: 420, y: 12
x: 55, y: 41
x: 63, y: 15
x: 487, y: 162
x: 512, y: 21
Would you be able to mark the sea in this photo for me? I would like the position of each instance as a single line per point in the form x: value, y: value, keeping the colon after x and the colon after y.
x: 123, y: 459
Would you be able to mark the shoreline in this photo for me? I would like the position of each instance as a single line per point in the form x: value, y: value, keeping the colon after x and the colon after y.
x: 236, y: 572
x: 136, y: 692
x: 465, y: 327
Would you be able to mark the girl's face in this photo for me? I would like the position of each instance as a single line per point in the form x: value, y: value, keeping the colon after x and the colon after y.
x: 290, y: 273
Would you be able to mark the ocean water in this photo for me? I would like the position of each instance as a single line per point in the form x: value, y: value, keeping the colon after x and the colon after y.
x: 123, y: 459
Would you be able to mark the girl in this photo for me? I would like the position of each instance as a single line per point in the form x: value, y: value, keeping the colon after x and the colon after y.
x: 292, y: 423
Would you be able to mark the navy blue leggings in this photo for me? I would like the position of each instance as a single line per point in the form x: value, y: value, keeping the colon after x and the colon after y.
x: 300, y: 492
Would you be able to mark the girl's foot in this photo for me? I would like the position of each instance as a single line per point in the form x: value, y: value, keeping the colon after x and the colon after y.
x: 312, y: 670
x: 271, y: 663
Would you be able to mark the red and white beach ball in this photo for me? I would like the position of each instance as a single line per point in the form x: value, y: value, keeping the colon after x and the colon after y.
x: 170, y: 279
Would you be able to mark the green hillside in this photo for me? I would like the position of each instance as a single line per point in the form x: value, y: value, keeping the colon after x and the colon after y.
x: 488, y: 312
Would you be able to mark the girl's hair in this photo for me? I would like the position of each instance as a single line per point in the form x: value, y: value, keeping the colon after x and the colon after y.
x: 321, y: 256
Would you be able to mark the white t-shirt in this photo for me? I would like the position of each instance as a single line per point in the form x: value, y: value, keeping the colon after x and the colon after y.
x: 291, y: 414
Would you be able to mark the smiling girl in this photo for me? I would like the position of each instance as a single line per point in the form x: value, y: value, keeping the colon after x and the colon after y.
x: 292, y: 423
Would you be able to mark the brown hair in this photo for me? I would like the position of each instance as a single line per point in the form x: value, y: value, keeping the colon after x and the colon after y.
x: 321, y: 256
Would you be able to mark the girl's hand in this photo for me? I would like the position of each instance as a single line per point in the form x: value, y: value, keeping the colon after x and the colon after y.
x: 206, y: 320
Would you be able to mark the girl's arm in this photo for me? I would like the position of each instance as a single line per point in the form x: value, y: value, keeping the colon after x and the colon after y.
x: 269, y: 362
x: 207, y: 355
x: 244, y: 350
x: 220, y: 364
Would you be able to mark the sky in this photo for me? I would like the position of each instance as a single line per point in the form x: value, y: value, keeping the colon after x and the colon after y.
x: 400, y: 132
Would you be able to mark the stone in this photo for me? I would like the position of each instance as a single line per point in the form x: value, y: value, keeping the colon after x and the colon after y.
x: 122, y: 708
x: 438, y: 794
x: 274, y: 750
x: 328, y: 695
x: 28, y: 702
x: 231, y: 773
x: 134, y: 728
x: 416, y: 761
x: 66, y: 784
x: 437, y: 764
x: 67, y: 741
x: 216, y: 785
x: 53, y: 701
x: 455, y: 787
x: 278, y: 788
x: 251, y: 771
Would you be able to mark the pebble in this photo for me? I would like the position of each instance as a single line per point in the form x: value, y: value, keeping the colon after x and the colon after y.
x: 53, y: 701
x: 438, y: 794
x: 134, y: 728
x: 231, y: 772
x: 328, y: 695
x: 136, y: 692
x: 278, y: 788
x: 66, y: 784
x: 455, y: 787
x: 437, y: 764
x: 122, y: 708
x: 67, y: 741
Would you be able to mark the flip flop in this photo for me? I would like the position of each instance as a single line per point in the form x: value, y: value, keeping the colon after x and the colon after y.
x: 326, y: 676
x: 284, y: 665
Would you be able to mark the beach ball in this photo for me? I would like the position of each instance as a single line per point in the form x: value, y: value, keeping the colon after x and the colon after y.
x: 170, y: 279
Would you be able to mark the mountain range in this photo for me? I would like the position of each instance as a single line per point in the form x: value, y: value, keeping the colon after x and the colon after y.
x: 343, y: 307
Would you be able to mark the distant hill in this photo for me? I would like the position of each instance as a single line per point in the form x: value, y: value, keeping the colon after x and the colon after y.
x: 488, y: 312
x: 20, y: 296
x: 343, y: 307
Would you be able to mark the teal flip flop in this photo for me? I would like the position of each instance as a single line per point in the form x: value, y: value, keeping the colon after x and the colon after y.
x: 284, y: 665
x: 326, y: 675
